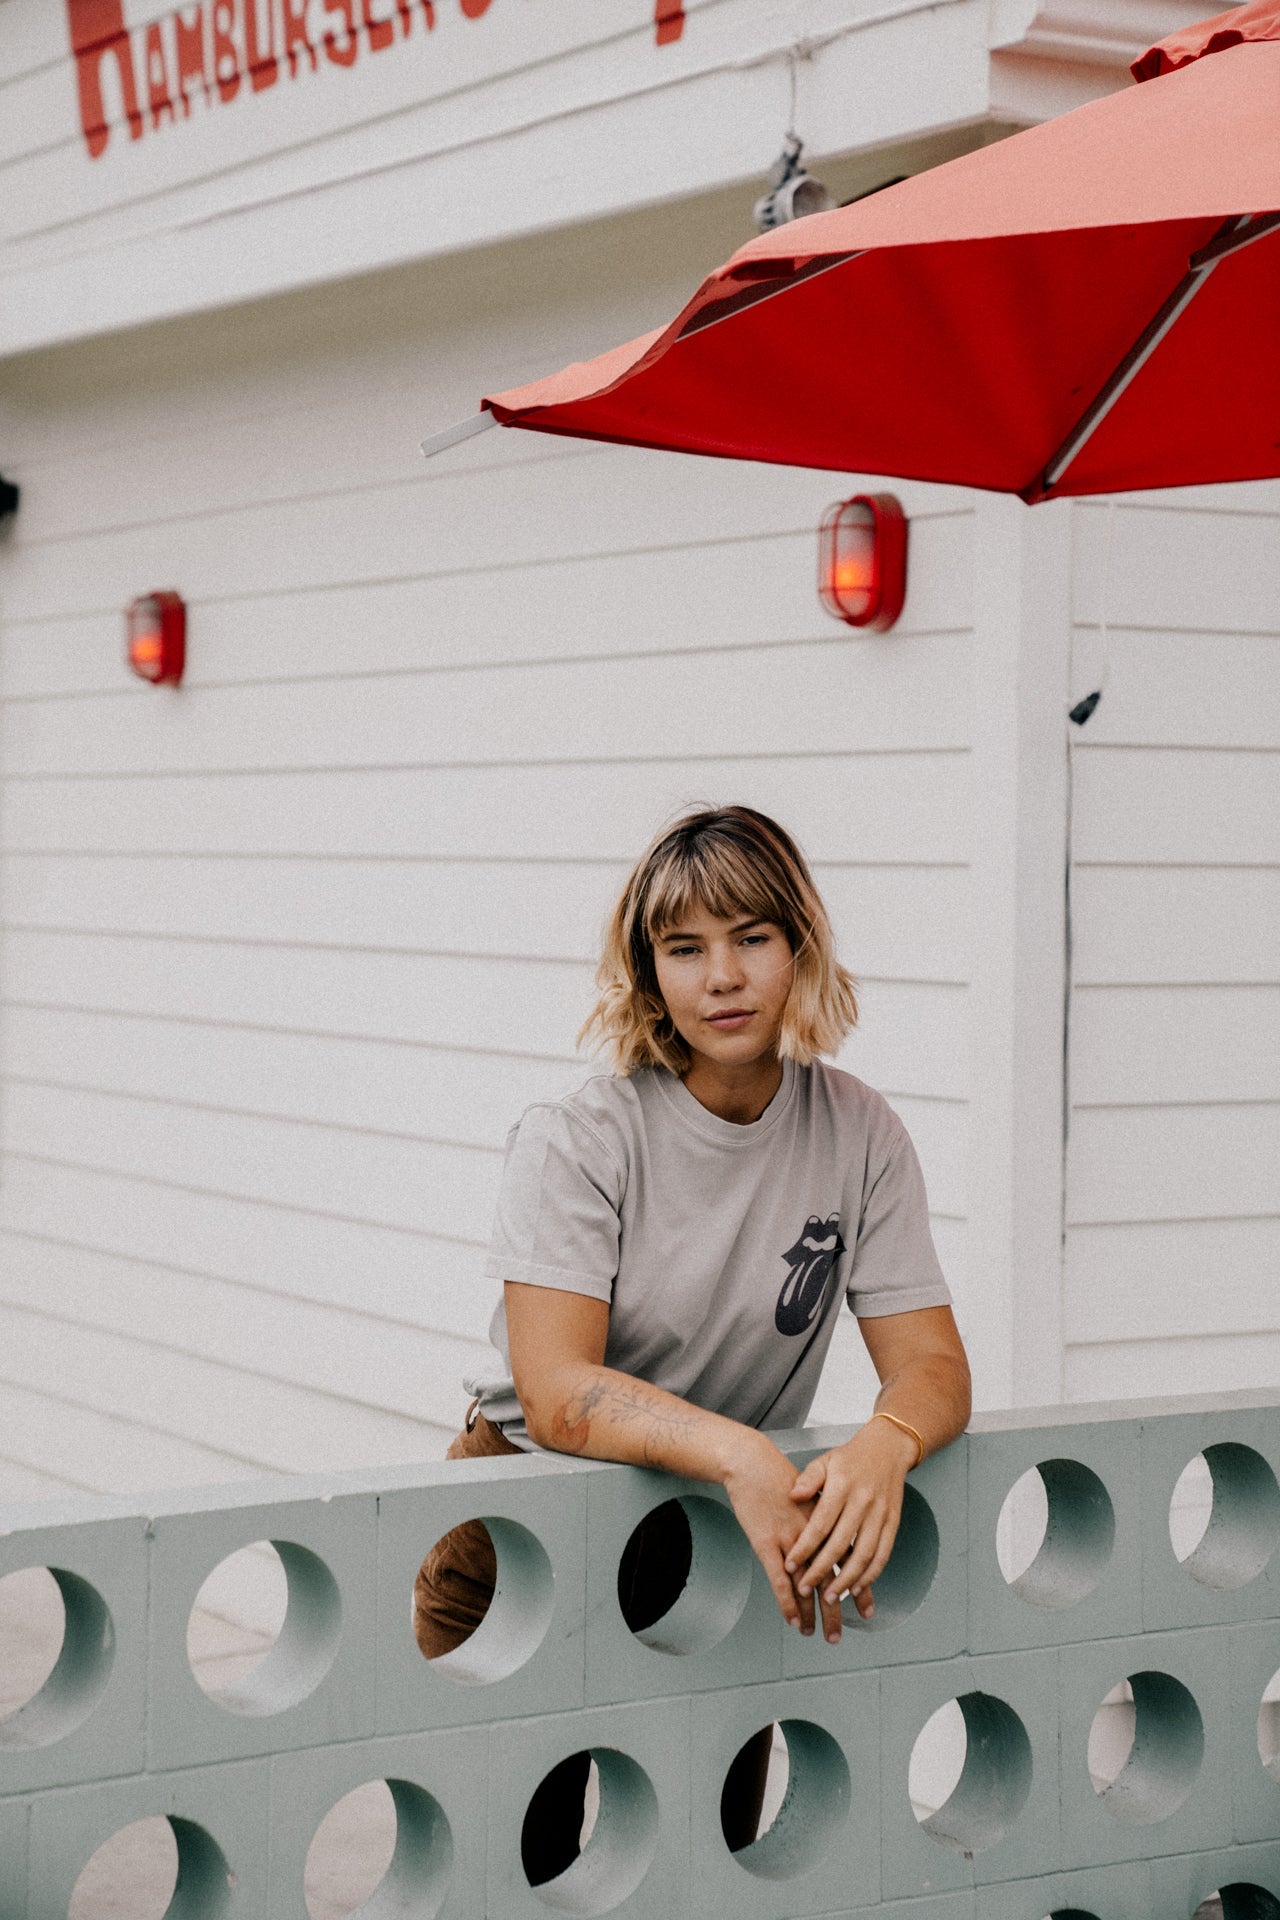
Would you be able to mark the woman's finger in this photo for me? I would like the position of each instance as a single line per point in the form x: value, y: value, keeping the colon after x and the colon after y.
x: 811, y: 1481
x: 871, y: 1549
x: 880, y: 1561
x: 832, y: 1623
x: 831, y: 1521
x: 789, y: 1604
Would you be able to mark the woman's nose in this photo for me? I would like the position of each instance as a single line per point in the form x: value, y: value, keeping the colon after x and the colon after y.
x: 723, y: 968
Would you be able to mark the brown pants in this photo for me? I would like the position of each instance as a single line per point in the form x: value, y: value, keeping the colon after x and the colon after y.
x: 451, y: 1597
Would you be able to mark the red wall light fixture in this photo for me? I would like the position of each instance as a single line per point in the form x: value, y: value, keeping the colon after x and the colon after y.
x: 862, y: 560
x: 156, y: 637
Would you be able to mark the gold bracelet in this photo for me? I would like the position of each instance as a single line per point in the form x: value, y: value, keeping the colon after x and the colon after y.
x: 906, y: 1428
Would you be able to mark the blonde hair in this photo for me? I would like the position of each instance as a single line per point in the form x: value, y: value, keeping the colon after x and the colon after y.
x: 728, y: 861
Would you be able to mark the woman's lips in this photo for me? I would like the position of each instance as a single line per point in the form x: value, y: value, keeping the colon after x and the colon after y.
x: 732, y: 1020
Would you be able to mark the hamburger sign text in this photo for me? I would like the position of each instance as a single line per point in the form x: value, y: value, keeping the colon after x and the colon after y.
x: 219, y: 48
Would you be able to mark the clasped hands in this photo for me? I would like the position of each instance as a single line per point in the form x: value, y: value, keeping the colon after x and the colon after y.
x: 827, y: 1531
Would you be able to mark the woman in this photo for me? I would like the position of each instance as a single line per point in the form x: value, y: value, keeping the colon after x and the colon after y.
x: 674, y: 1240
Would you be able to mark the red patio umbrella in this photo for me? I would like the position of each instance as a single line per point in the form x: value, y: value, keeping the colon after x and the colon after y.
x: 1089, y: 306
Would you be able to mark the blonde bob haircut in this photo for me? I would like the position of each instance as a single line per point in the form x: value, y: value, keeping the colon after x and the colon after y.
x: 734, y: 863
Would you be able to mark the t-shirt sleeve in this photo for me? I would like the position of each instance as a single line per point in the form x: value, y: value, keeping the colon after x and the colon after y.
x: 558, y: 1216
x: 895, y: 1266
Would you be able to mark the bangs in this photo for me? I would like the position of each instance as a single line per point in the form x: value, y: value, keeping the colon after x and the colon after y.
x: 734, y: 864
x: 712, y: 873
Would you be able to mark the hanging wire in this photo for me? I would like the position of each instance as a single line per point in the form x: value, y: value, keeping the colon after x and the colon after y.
x: 1079, y: 714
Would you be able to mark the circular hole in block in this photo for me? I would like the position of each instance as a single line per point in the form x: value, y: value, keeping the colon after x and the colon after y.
x: 805, y: 1801
x: 584, y: 1859
x: 1070, y: 1913
x: 1224, y: 1516
x: 909, y: 1573
x: 1055, y: 1534
x: 1239, y: 1901
x: 1269, y: 1726
x: 383, y: 1850
x: 156, y: 1869
x: 58, y: 1644
x: 970, y: 1772
x: 483, y: 1600
x: 33, y: 1622
x: 685, y: 1576
x: 264, y: 1628
x: 1146, y: 1743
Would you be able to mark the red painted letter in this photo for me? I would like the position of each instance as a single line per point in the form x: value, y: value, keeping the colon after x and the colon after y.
x: 474, y: 8
x: 381, y: 32
x: 295, y: 33
x: 159, y: 99
x: 259, y: 56
x: 188, y: 36
x: 97, y: 29
x: 226, y: 54
x: 342, y: 52
x: 668, y: 18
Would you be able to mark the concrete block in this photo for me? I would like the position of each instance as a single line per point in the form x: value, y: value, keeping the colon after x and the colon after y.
x: 724, y: 1630
x: 1085, y: 1581
x: 921, y: 1595
x: 942, y: 1906
x: 14, y: 1818
x: 1001, y: 1821
x: 1234, y: 1574
x: 1102, y: 1893
x: 1255, y: 1660
x: 1180, y: 1883
x: 317, y: 1682
x: 825, y: 1840
x: 440, y: 1784
x: 87, y: 1721
x: 1175, y: 1789
x: 635, y: 1865
x: 219, y: 1816
x: 527, y: 1654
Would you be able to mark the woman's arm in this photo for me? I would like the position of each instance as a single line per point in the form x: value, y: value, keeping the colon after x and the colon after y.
x: 858, y: 1487
x: 574, y: 1404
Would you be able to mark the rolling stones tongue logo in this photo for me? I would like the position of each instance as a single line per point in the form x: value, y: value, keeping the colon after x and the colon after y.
x: 810, y: 1265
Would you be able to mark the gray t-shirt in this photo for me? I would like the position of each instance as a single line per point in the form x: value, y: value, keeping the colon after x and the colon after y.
x: 722, y: 1250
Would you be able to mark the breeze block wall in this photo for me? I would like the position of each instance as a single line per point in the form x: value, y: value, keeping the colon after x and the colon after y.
x: 122, y: 1730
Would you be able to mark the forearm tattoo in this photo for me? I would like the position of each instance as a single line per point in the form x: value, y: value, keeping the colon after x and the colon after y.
x: 626, y: 1402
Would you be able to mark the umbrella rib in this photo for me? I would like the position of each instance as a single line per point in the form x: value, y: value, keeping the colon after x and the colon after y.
x: 452, y: 436
x: 1240, y: 231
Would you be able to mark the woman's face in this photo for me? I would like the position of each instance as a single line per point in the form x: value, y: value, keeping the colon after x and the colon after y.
x: 725, y: 984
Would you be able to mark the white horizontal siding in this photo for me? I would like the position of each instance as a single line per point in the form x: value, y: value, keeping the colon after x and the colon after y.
x: 285, y: 952
x: 414, y: 1278
x: 569, y: 608
x: 907, y: 1040
x: 389, y: 1366
x: 1210, y: 1277
x: 444, y: 141
x: 159, y: 1387
x: 1173, y: 1163
x: 897, y: 808
x: 795, y: 699
x: 1166, y: 926
x: 904, y: 922
x: 1173, y: 1199
x: 1138, y: 1369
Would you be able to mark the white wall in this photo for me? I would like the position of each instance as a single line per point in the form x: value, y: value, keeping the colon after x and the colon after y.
x: 1173, y: 1182
x: 286, y: 949
x: 398, y: 143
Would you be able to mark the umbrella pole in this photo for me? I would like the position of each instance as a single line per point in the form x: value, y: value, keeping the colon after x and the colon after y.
x: 1240, y: 231
x: 450, y: 436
